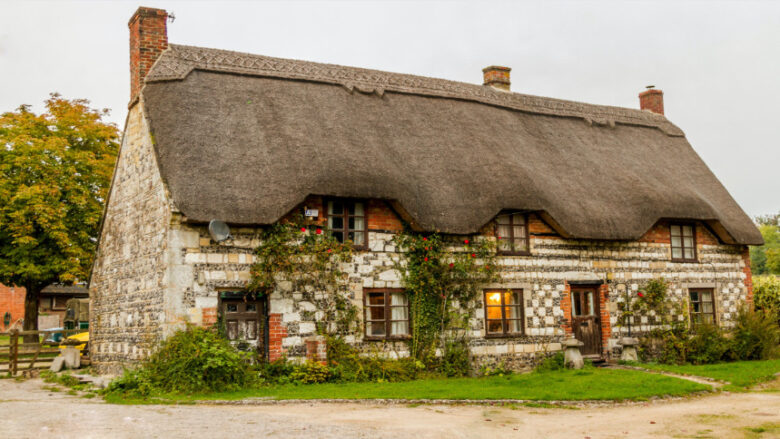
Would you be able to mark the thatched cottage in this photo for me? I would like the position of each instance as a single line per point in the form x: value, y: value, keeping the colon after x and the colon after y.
x: 588, y: 202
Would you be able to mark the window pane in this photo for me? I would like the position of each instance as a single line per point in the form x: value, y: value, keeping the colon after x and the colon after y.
x: 520, y: 245
x: 251, y: 329
x: 577, y: 306
x: 502, y: 219
x: 696, y: 307
x: 706, y: 296
x: 707, y: 318
x: 356, y: 209
x: 251, y: 307
x: 687, y: 231
x: 339, y: 236
x: 357, y: 223
x: 357, y: 238
x: 495, y: 326
x: 514, y: 326
x: 493, y: 298
x: 399, y: 328
x: 677, y: 253
x: 675, y: 230
x: 232, y: 307
x: 512, y: 312
x: 519, y: 232
x: 335, y: 222
x: 588, y: 311
x: 494, y: 312
x: 335, y: 208
x: 688, y: 253
x: 398, y: 299
x: 676, y: 241
x: 376, y: 298
x: 504, y: 231
x: 694, y: 296
x: 375, y: 328
x: 706, y: 307
x: 688, y: 242
x: 376, y: 313
x: 518, y: 219
x: 232, y: 329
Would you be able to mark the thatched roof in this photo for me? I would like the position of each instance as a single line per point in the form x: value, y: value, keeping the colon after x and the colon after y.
x: 245, y: 138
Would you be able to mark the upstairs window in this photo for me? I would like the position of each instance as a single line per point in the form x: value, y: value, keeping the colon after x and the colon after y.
x: 683, y: 242
x: 702, y: 306
x: 386, y: 314
x: 512, y: 233
x: 503, y: 313
x: 347, y: 221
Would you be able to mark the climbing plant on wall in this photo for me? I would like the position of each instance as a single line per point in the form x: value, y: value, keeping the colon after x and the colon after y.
x: 303, y: 254
x: 442, y: 279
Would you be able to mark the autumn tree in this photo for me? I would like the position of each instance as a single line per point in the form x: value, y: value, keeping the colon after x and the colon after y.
x: 55, y: 170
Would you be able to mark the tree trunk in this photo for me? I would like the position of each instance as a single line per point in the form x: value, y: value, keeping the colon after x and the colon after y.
x: 31, y: 311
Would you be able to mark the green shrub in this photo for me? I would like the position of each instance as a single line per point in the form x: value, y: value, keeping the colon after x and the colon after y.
x: 349, y: 365
x: 707, y: 345
x: 310, y: 372
x: 193, y: 360
x: 766, y: 295
x: 755, y: 336
x: 456, y: 360
x: 551, y: 363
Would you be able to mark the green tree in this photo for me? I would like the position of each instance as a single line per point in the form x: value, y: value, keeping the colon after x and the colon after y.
x: 765, y: 259
x: 55, y: 170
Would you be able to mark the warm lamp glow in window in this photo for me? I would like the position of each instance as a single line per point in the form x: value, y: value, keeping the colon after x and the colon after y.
x: 494, y: 298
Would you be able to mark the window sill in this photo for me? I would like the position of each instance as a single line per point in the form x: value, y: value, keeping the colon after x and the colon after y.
x: 505, y: 253
x: 688, y: 261
x: 508, y: 335
x: 391, y: 338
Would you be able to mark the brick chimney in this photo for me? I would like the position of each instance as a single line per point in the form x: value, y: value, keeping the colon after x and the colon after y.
x: 652, y: 99
x: 148, y: 39
x: 496, y: 76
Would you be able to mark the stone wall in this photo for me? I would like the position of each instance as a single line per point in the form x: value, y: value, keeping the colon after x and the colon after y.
x: 129, y: 307
x: 619, y: 268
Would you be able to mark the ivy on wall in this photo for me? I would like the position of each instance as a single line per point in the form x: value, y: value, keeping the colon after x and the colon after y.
x: 442, y: 279
x: 302, y: 253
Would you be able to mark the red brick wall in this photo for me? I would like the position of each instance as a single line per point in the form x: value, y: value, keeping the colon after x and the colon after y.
x: 652, y: 100
x: 380, y: 215
x: 566, y: 308
x: 209, y: 316
x: 148, y: 39
x: 276, y: 333
x: 11, y: 300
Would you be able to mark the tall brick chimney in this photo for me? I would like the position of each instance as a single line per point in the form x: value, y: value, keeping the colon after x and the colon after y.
x: 652, y: 99
x: 496, y: 76
x: 148, y: 39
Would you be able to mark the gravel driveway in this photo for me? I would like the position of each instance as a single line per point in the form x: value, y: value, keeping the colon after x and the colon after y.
x: 27, y: 410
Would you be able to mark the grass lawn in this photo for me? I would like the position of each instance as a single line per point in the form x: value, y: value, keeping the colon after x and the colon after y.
x: 586, y: 384
x: 740, y: 374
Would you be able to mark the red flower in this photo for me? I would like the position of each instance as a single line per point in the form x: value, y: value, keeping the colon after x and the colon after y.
x: 426, y: 259
x: 473, y: 255
x: 640, y: 294
x: 425, y: 239
x: 451, y: 265
x: 319, y: 231
x: 303, y: 229
x: 426, y: 248
x: 329, y: 250
x: 465, y: 241
x: 487, y: 267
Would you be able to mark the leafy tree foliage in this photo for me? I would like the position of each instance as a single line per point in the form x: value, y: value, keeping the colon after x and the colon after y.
x: 765, y: 259
x: 55, y: 170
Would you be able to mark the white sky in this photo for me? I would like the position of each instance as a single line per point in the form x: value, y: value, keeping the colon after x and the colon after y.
x: 718, y: 63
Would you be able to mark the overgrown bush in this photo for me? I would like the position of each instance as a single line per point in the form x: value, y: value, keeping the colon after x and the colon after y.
x: 350, y: 365
x: 191, y: 361
x: 755, y: 336
x: 707, y: 345
x: 551, y: 363
x: 766, y: 295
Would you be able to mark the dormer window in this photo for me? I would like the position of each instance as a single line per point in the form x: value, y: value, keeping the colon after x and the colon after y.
x: 347, y: 221
x: 683, y: 242
x: 512, y: 233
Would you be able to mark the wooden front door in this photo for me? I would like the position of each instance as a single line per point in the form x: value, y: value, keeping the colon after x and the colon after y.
x: 245, y: 323
x: 585, y: 313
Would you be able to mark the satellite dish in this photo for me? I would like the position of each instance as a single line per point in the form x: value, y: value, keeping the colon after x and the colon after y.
x: 218, y: 230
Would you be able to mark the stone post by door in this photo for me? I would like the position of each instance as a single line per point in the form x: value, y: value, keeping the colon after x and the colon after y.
x: 629, y: 349
x: 572, y: 357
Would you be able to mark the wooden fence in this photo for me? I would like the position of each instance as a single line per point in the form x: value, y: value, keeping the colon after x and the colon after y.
x: 20, y: 354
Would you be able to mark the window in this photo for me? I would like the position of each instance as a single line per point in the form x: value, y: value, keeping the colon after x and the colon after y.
x: 503, y: 312
x: 347, y: 221
x: 702, y: 306
x: 59, y: 303
x: 683, y: 242
x: 512, y: 233
x: 386, y: 314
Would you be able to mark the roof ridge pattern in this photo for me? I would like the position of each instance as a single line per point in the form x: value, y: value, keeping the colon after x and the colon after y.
x: 179, y: 60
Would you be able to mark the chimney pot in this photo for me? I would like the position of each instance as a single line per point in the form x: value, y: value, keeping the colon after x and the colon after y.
x: 148, y: 36
x: 652, y: 99
x: 496, y: 76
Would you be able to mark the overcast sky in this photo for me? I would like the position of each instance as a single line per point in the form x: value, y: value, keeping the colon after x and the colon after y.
x: 718, y: 63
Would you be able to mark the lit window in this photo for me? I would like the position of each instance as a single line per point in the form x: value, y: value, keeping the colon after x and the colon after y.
x: 504, y: 312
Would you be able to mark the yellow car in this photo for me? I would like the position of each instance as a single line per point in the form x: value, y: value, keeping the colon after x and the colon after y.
x: 81, y: 336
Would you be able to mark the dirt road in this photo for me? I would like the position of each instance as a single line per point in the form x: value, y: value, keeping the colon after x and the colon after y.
x: 27, y: 410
